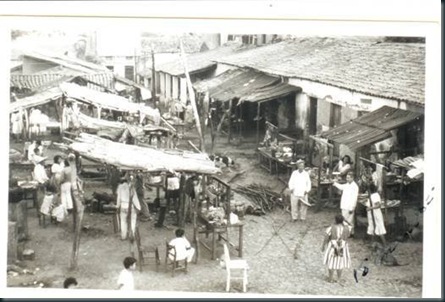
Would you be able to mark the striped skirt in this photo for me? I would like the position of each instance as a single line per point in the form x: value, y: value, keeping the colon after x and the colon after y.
x: 337, y: 262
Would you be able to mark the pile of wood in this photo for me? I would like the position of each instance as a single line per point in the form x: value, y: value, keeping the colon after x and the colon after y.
x: 264, y: 197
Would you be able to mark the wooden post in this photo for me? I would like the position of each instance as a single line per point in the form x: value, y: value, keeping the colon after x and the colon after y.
x: 192, y: 97
x: 182, y: 196
x: 153, y: 77
x: 78, y: 209
x: 230, y: 121
x: 258, y: 124
x: 12, y: 241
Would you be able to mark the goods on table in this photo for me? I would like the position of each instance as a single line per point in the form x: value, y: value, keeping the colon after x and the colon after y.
x: 214, y: 215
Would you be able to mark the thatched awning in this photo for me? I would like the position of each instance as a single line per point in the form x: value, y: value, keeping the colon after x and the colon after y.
x: 141, y: 158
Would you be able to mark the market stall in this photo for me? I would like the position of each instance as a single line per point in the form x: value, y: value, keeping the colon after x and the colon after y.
x: 214, y: 216
x: 359, y: 135
x: 279, y: 152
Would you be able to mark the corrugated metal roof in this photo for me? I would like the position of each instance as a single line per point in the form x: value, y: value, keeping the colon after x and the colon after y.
x: 35, y: 81
x: 37, y: 99
x: 200, y: 61
x: 208, y: 84
x: 371, y: 127
x: 388, y: 70
x: 247, y: 85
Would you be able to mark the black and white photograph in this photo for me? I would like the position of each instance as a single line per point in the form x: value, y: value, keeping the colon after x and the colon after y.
x: 228, y: 161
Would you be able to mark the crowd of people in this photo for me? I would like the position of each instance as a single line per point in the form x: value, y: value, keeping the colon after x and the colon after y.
x: 335, y: 244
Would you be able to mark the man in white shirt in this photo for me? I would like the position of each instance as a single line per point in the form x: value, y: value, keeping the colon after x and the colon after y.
x: 348, y: 199
x: 125, y: 193
x: 182, y: 247
x: 300, y: 186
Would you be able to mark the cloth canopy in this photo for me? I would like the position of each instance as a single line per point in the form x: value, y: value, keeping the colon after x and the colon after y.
x: 107, y: 100
x: 40, y: 98
x: 142, y: 158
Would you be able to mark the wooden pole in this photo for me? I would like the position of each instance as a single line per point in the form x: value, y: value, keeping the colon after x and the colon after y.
x: 153, y: 77
x: 78, y: 209
x: 258, y: 124
x: 181, y: 214
x: 230, y: 121
x: 192, y: 97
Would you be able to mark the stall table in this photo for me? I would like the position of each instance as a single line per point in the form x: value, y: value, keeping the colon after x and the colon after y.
x: 218, y: 232
x: 266, y: 160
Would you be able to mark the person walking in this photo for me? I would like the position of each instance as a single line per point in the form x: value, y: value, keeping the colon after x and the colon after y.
x: 300, y: 186
x: 348, y: 200
x: 336, y: 249
x: 128, y: 204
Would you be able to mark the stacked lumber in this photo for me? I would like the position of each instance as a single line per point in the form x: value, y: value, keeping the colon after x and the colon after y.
x: 139, y: 158
x: 264, y: 197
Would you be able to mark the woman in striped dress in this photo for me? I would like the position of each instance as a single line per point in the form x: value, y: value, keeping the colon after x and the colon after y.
x: 336, y: 257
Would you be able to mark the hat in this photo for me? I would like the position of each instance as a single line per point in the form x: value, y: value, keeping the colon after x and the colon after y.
x: 300, y: 161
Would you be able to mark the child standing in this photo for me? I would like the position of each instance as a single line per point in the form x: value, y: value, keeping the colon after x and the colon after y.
x: 126, y: 280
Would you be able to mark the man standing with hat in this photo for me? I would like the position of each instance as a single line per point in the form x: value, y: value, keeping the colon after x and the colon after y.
x: 300, y: 186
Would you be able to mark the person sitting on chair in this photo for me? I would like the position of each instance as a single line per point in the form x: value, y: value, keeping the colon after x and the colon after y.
x: 182, y: 246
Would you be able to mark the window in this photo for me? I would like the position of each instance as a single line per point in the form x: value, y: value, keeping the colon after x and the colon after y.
x: 129, y: 58
x: 111, y: 68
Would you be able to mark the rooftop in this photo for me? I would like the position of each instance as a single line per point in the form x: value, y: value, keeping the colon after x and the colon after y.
x: 389, y: 70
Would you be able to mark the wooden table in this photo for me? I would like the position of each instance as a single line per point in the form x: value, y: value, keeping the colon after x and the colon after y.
x: 267, y: 161
x: 218, y: 232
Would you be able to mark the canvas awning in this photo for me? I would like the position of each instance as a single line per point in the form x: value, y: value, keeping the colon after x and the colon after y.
x: 250, y: 86
x: 107, y: 100
x: 40, y: 98
x: 371, y: 127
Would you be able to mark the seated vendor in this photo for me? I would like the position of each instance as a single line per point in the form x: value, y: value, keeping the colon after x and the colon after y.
x: 344, y: 165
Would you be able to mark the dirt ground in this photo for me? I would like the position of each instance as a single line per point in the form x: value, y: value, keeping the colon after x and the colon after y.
x: 273, y: 267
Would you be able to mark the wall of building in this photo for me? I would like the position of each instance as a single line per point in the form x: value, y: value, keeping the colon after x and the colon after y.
x: 175, y: 87
x: 168, y: 87
x: 342, y: 96
x: 183, y: 90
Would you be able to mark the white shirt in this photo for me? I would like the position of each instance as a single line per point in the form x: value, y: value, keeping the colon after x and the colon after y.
x: 349, y: 196
x: 123, y: 197
x: 57, y: 168
x: 300, y: 183
x: 181, y: 245
x: 173, y: 183
x: 126, y: 279
x: 40, y: 174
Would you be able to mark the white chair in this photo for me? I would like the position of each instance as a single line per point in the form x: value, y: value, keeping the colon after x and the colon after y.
x: 239, y: 267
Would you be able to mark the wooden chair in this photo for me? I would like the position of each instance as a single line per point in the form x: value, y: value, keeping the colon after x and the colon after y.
x: 146, y: 253
x: 175, y: 263
x: 239, y: 267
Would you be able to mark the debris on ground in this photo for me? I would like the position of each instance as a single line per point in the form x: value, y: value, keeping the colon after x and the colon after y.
x: 264, y: 197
